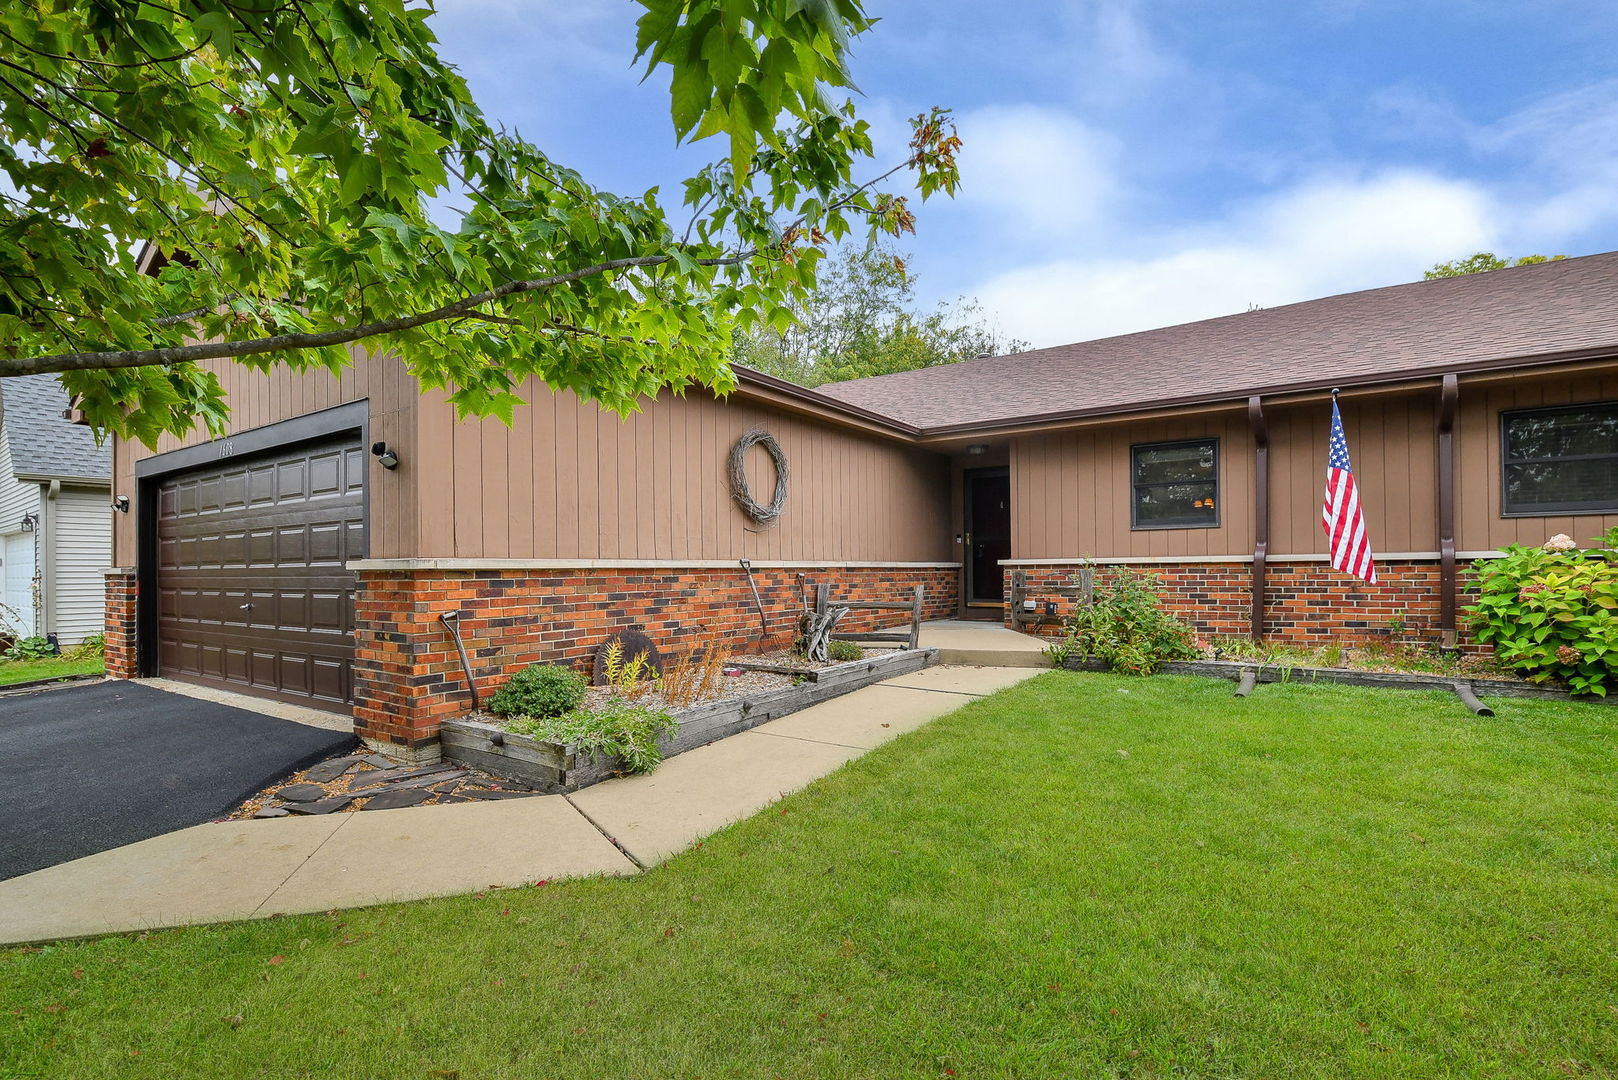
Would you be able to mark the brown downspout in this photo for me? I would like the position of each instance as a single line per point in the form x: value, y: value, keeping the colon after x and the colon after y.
x: 1261, y: 509
x: 1448, y: 397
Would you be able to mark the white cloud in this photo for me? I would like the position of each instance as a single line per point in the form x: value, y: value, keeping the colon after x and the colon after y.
x: 1039, y: 168
x: 1311, y: 240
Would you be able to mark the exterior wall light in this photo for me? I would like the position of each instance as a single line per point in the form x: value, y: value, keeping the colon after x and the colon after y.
x: 385, y: 456
x: 29, y: 521
x: 121, y: 504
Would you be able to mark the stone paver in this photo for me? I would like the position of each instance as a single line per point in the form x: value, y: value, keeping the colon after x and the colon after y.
x: 396, y: 798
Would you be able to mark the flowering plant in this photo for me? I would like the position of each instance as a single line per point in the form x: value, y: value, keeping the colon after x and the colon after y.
x: 1551, y: 612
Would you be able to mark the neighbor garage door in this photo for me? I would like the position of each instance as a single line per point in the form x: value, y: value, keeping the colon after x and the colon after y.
x: 253, y: 594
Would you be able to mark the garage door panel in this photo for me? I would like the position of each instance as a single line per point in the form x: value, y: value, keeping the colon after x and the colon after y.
x: 273, y: 532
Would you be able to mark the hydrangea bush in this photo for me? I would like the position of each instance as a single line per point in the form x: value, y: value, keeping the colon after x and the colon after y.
x: 1551, y: 612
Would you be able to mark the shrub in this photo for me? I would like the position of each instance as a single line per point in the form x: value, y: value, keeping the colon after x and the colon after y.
x: 618, y: 728
x: 1127, y: 627
x: 844, y: 651
x: 539, y: 691
x: 1552, y: 612
x: 30, y: 648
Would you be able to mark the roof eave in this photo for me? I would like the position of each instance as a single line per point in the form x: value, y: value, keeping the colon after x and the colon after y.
x: 759, y: 386
x: 1381, y: 380
x: 66, y: 478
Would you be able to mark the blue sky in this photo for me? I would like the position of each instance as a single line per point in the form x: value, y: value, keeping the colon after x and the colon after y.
x: 1131, y: 165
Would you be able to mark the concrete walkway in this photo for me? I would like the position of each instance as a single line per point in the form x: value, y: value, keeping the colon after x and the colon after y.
x: 962, y: 641
x: 254, y: 869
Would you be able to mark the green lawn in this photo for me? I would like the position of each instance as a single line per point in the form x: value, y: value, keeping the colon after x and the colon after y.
x: 1085, y: 876
x: 16, y: 671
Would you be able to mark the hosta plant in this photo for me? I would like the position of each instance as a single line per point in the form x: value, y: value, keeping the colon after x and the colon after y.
x: 1551, y: 612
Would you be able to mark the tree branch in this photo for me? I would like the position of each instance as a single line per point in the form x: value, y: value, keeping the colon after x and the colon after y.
x: 212, y: 350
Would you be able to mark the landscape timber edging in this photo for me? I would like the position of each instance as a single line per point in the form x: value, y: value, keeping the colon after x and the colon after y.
x: 557, y: 768
x: 1396, y: 680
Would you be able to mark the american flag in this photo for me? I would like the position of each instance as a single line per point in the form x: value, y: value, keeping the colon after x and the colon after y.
x: 1342, y: 517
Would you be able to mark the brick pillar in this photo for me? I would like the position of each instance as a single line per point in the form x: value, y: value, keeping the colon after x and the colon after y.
x: 119, y: 625
x: 400, y: 653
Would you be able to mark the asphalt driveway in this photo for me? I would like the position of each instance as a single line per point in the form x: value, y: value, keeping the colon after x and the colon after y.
x: 87, y: 768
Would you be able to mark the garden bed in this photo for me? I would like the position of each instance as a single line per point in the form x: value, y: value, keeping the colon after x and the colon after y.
x: 553, y: 767
x: 1272, y: 673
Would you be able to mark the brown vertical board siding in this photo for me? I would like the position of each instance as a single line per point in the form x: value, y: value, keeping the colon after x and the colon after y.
x: 564, y: 450
x: 1072, y: 491
x: 1478, y: 460
x: 654, y: 487
x: 466, y: 453
x: 434, y: 468
x: 588, y: 471
x: 542, y: 468
x: 494, y: 446
x: 257, y: 399
x: 519, y: 479
x: 663, y: 490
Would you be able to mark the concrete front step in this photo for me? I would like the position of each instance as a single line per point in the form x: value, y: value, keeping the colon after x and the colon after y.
x: 983, y: 644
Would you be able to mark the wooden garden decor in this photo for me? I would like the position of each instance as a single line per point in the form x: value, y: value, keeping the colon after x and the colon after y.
x: 736, y: 472
x: 1084, y: 589
x: 818, y: 627
x: 907, y: 639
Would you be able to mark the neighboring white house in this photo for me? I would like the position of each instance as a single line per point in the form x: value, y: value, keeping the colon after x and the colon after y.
x: 55, y: 514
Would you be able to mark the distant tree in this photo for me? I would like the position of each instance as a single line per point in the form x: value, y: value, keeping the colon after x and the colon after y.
x: 862, y: 319
x: 1482, y: 261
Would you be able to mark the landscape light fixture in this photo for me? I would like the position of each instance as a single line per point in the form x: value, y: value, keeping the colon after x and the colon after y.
x: 385, y: 456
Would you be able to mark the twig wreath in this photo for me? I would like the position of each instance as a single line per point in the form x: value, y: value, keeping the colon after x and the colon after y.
x: 739, y: 489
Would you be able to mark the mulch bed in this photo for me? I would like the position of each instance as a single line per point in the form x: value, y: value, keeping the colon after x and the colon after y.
x: 372, y: 782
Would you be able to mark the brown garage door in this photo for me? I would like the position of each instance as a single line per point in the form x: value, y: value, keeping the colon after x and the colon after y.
x: 253, y: 594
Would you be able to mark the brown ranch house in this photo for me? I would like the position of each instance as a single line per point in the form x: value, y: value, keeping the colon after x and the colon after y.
x: 309, y: 555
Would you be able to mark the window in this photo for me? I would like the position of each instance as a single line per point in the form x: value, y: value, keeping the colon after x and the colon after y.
x: 1176, y: 485
x: 1559, y: 461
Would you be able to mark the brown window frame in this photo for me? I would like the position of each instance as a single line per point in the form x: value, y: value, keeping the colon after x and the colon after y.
x: 1506, y: 462
x: 1135, y: 486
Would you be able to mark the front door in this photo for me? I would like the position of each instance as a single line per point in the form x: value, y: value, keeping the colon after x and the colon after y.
x: 988, y: 534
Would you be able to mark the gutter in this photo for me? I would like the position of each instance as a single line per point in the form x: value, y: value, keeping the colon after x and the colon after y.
x: 62, y: 478
x: 1280, y: 393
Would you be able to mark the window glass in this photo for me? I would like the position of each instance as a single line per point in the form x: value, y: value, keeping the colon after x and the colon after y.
x: 1562, y: 460
x: 1175, y: 485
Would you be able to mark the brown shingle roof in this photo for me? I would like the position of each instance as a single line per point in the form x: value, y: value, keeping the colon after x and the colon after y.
x: 1424, y: 327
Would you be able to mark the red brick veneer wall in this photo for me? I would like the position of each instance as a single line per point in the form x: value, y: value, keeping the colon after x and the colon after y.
x: 1305, y: 603
x: 119, y: 626
x: 407, y: 676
